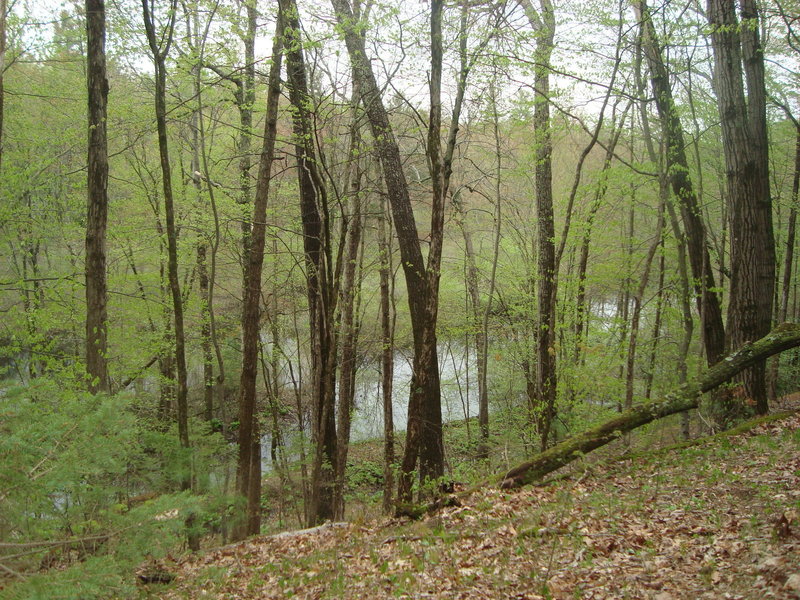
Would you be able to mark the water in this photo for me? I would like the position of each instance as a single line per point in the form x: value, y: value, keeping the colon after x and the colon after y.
x: 459, y: 392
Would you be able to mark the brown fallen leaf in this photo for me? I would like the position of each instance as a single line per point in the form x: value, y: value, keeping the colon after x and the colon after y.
x: 782, y: 529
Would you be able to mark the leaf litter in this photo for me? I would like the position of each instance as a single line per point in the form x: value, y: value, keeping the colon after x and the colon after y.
x: 716, y: 521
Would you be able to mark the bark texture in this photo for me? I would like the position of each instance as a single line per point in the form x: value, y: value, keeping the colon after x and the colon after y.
x: 424, y: 431
x: 248, y: 471
x: 319, y: 278
x: 737, y: 50
x: 783, y: 337
x: 677, y: 168
x: 97, y: 204
x: 544, y: 24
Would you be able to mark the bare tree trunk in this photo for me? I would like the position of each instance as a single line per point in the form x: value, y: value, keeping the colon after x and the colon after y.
x: 159, y: 57
x: 677, y: 168
x: 206, y: 275
x: 581, y: 308
x: 423, y: 434
x: 205, y: 334
x: 350, y: 290
x: 684, y: 291
x: 480, y: 314
x: 788, y: 260
x: 319, y: 277
x: 3, y: 11
x: 744, y: 134
x: 248, y: 472
x: 543, y: 22
x: 202, y: 248
x: 97, y: 205
x: 245, y: 98
x: 638, y: 298
x: 387, y: 351
x: 650, y: 375
x: 782, y: 338
x: 624, y: 295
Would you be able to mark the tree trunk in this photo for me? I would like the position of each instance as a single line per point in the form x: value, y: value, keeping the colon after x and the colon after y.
x: 3, y: 10
x: 543, y: 22
x: 424, y: 431
x: 248, y: 471
x: 744, y: 134
x: 638, y: 298
x: 387, y: 351
x: 782, y: 338
x: 677, y: 169
x: 651, y: 364
x: 350, y: 290
x: 788, y: 260
x: 202, y: 247
x: 319, y: 278
x: 159, y: 58
x: 581, y: 307
x: 205, y: 334
x: 97, y: 205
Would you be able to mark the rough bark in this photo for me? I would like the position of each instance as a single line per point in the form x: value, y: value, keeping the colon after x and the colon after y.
x: 543, y: 23
x: 783, y: 337
x: 677, y: 168
x: 319, y: 278
x: 424, y: 434
x: 737, y: 49
x: 248, y: 472
x: 97, y: 204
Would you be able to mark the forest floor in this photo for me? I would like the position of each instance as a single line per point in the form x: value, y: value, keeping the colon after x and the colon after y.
x: 719, y: 519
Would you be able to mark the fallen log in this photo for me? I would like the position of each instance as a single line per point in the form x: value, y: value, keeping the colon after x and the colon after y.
x: 783, y: 337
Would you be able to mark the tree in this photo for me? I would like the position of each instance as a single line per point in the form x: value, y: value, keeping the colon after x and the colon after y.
x: 685, y: 398
x: 3, y: 12
x: 159, y: 47
x: 737, y: 48
x: 349, y: 298
x: 248, y: 470
x: 317, y: 249
x: 677, y: 169
x: 543, y: 22
x: 97, y: 204
x: 424, y: 432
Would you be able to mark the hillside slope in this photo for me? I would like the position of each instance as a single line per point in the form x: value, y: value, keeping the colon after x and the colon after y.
x: 717, y: 520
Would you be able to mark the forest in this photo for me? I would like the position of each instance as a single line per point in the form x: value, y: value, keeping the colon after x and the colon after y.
x: 272, y: 265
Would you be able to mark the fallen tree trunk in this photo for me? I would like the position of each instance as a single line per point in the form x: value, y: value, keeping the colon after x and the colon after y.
x: 781, y: 338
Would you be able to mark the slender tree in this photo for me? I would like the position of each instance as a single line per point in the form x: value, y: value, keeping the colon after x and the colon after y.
x: 159, y: 47
x: 248, y: 471
x: 387, y: 350
x: 542, y: 19
x: 423, y: 435
x: 349, y: 292
x: 320, y: 275
x: 3, y: 11
x: 677, y: 169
